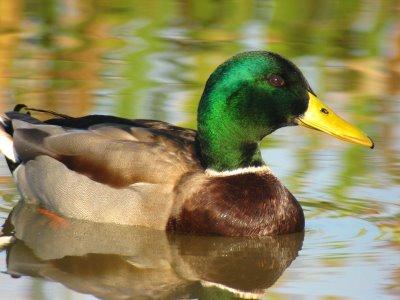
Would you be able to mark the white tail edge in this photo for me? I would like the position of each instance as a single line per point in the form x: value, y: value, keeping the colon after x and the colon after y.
x: 5, y: 241
x: 6, y: 142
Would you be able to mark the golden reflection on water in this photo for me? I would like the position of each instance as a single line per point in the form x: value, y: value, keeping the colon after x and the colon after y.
x: 151, y: 59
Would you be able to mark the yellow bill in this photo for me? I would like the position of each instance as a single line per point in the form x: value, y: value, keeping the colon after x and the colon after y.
x: 320, y: 117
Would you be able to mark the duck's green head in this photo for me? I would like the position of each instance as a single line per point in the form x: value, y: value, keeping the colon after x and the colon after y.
x: 251, y: 95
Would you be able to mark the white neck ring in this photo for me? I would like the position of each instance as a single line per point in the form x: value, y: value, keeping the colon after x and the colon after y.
x: 261, y: 169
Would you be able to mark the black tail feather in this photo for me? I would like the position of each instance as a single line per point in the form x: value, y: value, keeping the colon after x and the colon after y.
x: 20, y: 107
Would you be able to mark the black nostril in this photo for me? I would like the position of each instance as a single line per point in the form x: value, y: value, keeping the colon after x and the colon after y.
x: 325, y: 111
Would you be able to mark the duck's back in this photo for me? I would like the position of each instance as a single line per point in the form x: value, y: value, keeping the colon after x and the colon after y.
x: 101, y: 168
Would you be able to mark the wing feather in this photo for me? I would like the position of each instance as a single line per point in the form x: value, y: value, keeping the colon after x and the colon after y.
x: 114, y: 152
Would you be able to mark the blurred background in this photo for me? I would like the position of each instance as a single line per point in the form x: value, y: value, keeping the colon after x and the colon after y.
x: 150, y: 59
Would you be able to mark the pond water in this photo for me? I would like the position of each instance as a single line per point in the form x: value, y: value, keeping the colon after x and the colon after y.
x: 142, y: 59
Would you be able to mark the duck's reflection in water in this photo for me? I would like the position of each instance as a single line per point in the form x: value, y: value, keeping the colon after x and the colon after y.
x: 119, y: 262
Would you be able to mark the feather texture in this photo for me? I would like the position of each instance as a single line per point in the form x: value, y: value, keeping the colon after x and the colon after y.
x: 141, y: 172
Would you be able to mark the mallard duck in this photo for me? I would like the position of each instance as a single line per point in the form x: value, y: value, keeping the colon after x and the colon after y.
x: 151, y: 173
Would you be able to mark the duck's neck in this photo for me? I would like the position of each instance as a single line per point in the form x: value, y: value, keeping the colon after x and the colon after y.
x: 221, y: 151
x: 229, y: 139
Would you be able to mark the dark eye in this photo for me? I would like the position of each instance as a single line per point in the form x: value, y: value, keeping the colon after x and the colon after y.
x: 276, y: 80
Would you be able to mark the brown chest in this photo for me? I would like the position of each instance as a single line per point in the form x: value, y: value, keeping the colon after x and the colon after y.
x: 251, y: 204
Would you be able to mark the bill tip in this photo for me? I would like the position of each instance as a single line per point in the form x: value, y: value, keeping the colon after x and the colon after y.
x: 372, y: 142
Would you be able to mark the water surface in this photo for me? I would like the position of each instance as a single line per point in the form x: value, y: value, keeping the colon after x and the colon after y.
x: 150, y: 60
